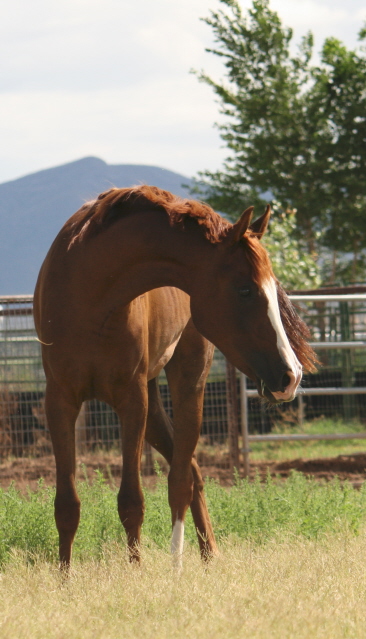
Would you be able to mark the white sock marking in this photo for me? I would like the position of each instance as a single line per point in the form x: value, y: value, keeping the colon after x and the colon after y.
x: 177, y: 543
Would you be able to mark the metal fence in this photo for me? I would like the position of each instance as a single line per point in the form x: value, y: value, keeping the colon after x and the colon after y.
x: 337, y: 391
x: 338, y: 324
x: 23, y: 428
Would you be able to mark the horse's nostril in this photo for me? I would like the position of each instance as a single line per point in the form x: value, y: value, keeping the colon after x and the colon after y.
x: 286, y: 381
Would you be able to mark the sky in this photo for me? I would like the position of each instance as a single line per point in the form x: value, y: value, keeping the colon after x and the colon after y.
x: 111, y: 79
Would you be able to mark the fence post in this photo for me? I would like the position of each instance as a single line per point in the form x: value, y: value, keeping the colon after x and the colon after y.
x: 347, y: 363
x: 301, y: 411
x: 244, y: 422
x: 148, y: 467
x: 80, y: 430
x: 232, y: 416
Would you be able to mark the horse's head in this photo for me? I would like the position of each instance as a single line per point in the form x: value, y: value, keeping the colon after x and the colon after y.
x: 238, y: 305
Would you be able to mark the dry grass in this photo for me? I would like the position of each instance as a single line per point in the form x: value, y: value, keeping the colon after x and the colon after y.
x: 296, y: 588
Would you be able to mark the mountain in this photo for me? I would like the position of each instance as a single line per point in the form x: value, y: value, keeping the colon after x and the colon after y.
x: 34, y: 208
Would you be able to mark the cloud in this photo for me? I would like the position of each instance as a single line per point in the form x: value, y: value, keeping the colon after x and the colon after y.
x: 151, y: 123
x: 324, y: 18
x: 111, y: 78
x: 107, y: 78
x: 83, y: 45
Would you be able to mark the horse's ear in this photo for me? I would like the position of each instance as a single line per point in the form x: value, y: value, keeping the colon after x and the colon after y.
x: 240, y: 227
x: 259, y: 227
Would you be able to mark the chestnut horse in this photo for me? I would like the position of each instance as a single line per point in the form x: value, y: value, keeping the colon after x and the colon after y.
x: 141, y: 280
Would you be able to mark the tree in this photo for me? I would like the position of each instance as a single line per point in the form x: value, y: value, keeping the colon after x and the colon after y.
x: 340, y: 92
x: 293, y: 265
x: 289, y: 127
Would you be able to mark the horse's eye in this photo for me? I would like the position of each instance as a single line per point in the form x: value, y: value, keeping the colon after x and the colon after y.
x: 244, y: 291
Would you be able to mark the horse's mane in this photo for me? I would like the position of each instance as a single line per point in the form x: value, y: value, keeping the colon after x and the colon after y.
x: 99, y: 214
x: 297, y: 332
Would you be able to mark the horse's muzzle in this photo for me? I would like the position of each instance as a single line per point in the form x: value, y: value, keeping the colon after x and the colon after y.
x: 290, y: 383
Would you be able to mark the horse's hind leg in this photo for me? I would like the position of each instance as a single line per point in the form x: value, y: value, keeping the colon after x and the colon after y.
x: 201, y: 517
x: 61, y: 417
x: 159, y: 433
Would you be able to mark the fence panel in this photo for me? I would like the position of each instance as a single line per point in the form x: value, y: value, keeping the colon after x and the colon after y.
x: 338, y: 390
x: 335, y: 320
x: 23, y: 428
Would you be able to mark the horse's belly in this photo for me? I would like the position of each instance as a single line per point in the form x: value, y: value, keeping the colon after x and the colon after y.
x: 157, y: 364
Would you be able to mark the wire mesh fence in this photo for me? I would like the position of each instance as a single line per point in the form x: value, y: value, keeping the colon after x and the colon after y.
x: 23, y: 428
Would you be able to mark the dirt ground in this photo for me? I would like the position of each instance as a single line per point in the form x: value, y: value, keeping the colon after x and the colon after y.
x: 26, y: 472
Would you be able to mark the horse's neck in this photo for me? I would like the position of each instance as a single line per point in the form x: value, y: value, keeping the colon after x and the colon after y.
x: 145, y: 252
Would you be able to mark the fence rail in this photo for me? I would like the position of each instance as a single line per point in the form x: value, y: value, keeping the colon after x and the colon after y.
x: 352, y: 297
x: 295, y: 437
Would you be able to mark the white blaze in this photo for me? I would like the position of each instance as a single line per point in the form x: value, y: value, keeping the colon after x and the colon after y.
x: 283, y: 345
x: 177, y: 543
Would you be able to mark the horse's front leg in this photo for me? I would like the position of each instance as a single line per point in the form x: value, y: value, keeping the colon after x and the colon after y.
x: 159, y: 433
x: 186, y: 373
x: 132, y: 412
x: 180, y: 479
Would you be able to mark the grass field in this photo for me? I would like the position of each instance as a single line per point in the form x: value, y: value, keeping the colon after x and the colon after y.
x: 289, y: 588
x: 292, y: 564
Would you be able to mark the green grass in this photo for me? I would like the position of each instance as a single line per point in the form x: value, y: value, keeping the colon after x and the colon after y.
x: 252, y: 511
x: 273, y: 451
